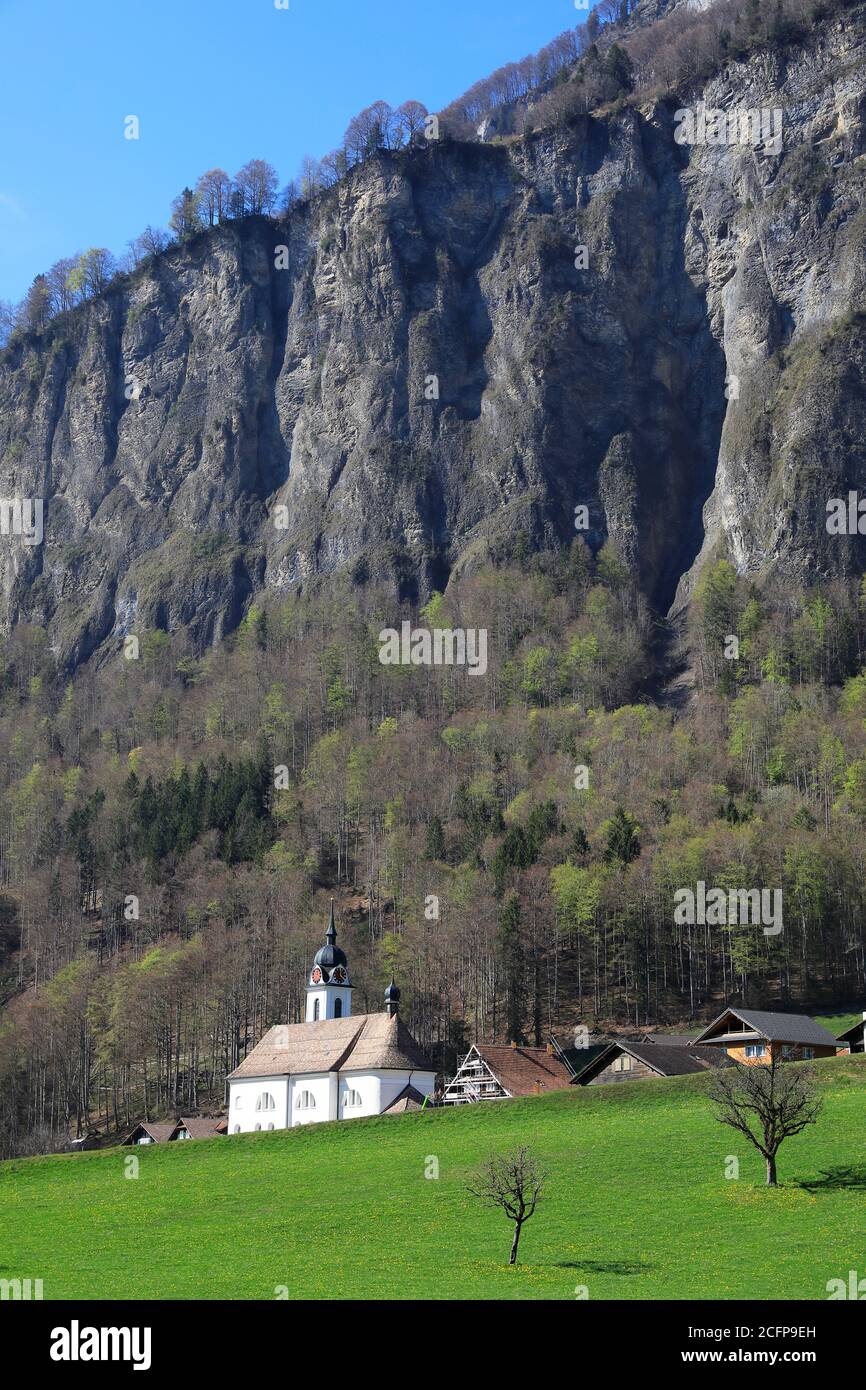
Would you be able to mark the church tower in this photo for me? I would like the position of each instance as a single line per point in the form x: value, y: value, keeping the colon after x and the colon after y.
x: 329, y: 991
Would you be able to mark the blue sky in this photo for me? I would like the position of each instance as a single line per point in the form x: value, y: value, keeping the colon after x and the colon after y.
x: 213, y: 82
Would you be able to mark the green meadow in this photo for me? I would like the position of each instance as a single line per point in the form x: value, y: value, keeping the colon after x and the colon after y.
x: 637, y: 1206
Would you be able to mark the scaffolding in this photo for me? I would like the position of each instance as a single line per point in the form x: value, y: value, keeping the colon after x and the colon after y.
x: 473, y: 1081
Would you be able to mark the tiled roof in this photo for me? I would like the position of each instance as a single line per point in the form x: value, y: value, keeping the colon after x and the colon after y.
x: 160, y: 1133
x: 524, y: 1071
x: 783, y: 1028
x: 200, y: 1127
x: 671, y: 1039
x: 365, y: 1042
x: 667, y: 1061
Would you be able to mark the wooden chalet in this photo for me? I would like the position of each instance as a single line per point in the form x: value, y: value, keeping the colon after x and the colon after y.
x: 632, y: 1061
x: 751, y: 1035
x: 501, y: 1073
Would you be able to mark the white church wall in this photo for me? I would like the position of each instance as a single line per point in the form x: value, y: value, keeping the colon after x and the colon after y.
x: 244, y: 1118
x: 378, y: 1089
x: 318, y: 1088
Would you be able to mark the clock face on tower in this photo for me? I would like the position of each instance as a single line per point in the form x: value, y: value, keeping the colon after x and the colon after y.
x: 339, y: 976
x: 316, y: 975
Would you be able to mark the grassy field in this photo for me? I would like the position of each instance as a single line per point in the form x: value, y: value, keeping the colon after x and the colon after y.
x: 638, y: 1206
x: 839, y: 1022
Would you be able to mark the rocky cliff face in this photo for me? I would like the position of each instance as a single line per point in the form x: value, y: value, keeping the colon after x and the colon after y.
x: 415, y: 369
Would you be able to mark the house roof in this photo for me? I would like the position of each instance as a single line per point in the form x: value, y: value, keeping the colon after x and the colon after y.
x: 160, y: 1133
x: 365, y: 1042
x: 667, y: 1061
x: 523, y: 1071
x: 671, y: 1039
x: 784, y: 1028
x: 854, y: 1033
x: 408, y: 1099
x: 199, y: 1127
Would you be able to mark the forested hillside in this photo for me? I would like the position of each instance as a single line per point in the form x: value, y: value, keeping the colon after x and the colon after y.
x: 173, y: 826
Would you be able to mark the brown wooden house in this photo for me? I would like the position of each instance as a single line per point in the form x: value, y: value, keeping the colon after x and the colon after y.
x: 169, y: 1131
x: 634, y: 1061
x: 752, y: 1036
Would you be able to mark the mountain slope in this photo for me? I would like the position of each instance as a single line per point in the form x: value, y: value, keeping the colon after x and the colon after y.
x: 167, y: 422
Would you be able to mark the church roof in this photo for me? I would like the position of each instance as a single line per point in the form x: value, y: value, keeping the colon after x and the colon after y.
x: 365, y: 1042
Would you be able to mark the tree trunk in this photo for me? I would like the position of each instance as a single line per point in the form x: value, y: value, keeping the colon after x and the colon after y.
x: 771, y: 1171
x: 515, y: 1243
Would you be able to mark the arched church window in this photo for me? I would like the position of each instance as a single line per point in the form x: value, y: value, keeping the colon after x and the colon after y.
x: 237, y: 1129
x: 338, y: 1008
x: 316, y: 1011
x: 258, y: 1127
x: 239, y: 1101
x: 353, y: 1098
x: 266, y: 1102
x: 306, y: 1101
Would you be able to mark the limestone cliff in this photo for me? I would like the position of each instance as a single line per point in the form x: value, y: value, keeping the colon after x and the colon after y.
x: 424, y: 372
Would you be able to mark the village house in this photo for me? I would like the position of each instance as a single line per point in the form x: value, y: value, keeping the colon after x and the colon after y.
x: 168, y: 1132
x: 149, y: 1132
x: 852, y: 1038
x: 335, y: 1065
x: 750, y: 1035
x: 630, y: 1061
x: 501, y: 1073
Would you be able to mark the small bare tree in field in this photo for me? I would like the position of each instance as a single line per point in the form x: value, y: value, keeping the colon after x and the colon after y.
x: 513, y: 1182
x: 767, y: 1103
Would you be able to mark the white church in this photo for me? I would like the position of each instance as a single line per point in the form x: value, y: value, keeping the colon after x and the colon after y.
x: 334, y: 1066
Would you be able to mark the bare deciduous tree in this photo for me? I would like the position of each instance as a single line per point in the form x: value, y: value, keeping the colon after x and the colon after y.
x: 258, y: 183
x: 59, y: 287
x: 513, y: 1182
x: 310, y: 178
x: 7, y: 321
x: 153, y: 240
x: 372, y: 129
x: 409, y: 120
x: 214, y: 190
x: 766, y: 1103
